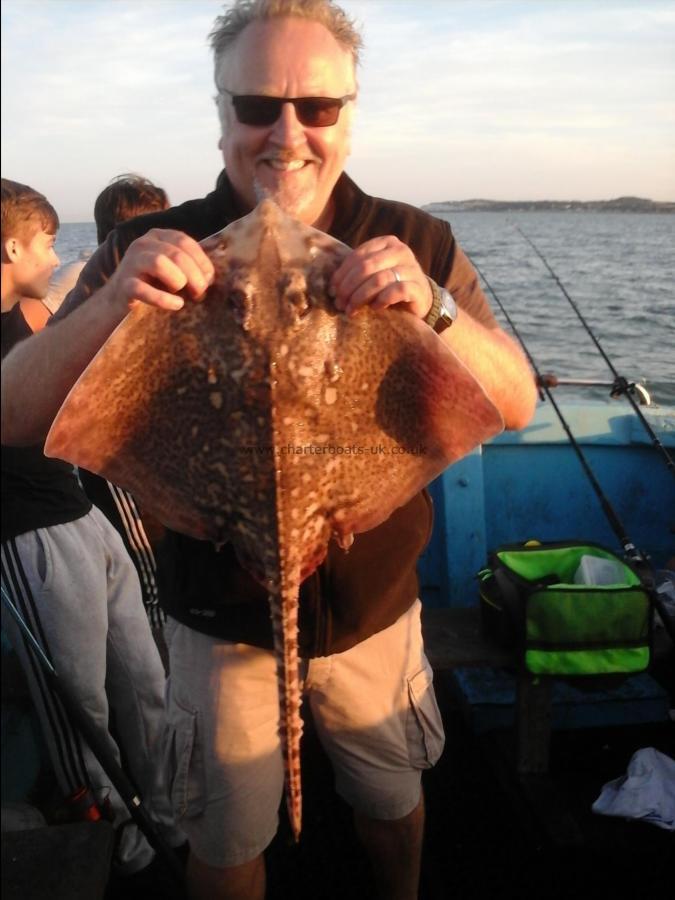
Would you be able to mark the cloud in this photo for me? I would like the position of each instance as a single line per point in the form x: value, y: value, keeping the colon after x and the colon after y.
x: 459, y: 98
x: 109, y: 87
x: 527, y: 78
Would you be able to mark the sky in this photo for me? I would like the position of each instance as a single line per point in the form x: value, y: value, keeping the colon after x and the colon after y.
x: 459, y: 99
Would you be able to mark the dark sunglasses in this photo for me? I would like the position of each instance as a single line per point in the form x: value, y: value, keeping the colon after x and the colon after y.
x: 314, y: 112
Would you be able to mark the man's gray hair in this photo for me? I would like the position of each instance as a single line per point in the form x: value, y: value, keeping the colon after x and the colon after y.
x: 326, y: 12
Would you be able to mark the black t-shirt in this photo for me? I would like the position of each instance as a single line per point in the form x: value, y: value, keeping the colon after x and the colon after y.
x: 352, y: 595
x: 36, y: 491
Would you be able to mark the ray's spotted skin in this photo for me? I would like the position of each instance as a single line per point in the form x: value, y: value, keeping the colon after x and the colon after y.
x: 264, y: 417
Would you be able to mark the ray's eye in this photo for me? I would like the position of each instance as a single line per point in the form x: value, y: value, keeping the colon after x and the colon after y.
x: 298, y: 300
x: 237, y: 303
x: 293, y: 289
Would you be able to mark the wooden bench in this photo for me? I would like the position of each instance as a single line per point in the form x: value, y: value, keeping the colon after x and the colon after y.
x: 453, y: 640
x: 520, y: 760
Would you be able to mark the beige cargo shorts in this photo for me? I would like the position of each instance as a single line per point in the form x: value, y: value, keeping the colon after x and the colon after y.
x: 373, y: 707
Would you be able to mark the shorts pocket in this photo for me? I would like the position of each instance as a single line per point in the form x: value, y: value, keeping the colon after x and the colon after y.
x: 426, y: 738
x: 44, y: 566
x: 185, y: 766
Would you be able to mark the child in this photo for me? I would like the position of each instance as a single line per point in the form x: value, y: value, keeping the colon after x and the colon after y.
x: 29, y: 226
x: 67, y: 572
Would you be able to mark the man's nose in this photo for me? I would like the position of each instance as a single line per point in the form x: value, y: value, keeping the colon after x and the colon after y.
x: 288, y: 131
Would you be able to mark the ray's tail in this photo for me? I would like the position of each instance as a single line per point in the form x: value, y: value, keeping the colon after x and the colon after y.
x: 284, y: 611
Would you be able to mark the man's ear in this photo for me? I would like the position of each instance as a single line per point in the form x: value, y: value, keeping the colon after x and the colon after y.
x: 11, y: 250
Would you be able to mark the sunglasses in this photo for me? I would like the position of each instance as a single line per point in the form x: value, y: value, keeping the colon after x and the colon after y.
x: 314, y: 112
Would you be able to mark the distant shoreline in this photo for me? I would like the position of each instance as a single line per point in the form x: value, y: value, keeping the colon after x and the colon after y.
x: 620, y: 204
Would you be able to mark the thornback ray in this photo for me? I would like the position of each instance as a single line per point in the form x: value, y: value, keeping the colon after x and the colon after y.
x: 263, y: 417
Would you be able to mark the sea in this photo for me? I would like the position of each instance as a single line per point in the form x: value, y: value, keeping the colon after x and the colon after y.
x: 617, y: 267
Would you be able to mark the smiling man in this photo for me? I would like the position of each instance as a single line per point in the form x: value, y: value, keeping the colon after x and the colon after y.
x: 270, y: 148
x: 285, y: 72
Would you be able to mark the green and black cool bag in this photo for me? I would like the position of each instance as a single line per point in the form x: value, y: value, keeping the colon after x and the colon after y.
x: 529, y: 601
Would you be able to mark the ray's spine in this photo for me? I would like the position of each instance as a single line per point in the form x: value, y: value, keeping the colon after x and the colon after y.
x: 284, y: 610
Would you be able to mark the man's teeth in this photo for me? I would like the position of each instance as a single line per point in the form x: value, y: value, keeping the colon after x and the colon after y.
x: 291, y: 166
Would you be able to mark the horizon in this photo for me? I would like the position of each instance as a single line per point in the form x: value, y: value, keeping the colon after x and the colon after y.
x: 493, y: 200
x: 463, y: 98
x: 562, y: 200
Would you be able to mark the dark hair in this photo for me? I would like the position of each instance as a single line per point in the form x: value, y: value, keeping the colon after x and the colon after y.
x: 25, y: 211
x: 125, y: 197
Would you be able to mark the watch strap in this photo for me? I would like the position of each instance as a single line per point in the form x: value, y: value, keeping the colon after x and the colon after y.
x: 434, y: 313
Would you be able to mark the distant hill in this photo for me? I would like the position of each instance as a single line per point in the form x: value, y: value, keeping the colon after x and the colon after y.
x: 620, y: 204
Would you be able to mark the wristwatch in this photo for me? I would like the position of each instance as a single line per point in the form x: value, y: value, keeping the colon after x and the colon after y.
x: 443, y: 310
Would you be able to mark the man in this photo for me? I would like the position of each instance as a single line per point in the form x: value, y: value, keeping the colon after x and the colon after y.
x: 68, y: 573
x: 124, y: 198
x: 368, y: 682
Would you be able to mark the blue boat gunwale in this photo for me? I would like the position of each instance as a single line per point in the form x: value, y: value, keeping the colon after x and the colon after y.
x: 593, y: 422
x: 529, y: 484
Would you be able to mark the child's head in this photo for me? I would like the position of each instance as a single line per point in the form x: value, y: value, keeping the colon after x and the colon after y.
x: 29, y: 226
x: 125, y: 197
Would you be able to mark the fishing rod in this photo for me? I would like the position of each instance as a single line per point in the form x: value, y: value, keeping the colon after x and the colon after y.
x: 101, y: 751
x: 621, y: 385
x: 635, y: 556
x: 634, y: 387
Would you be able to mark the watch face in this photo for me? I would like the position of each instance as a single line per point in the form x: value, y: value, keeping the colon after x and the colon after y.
x: 447, y: 312
x: 448, y: 306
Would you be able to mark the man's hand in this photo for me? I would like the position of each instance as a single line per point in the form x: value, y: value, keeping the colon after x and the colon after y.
x: 368, y: 277
x: 156, y: 267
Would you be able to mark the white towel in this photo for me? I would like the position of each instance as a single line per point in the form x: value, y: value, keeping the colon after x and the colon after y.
x: 646, y: 791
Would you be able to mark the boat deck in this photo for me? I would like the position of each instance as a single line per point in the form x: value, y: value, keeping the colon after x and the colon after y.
x: 492, y: 828
x: 484, y: 836
x: 482, y: 839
